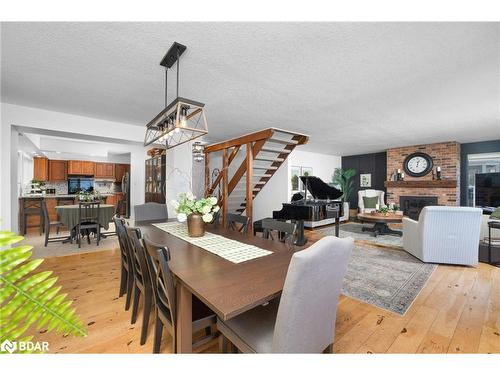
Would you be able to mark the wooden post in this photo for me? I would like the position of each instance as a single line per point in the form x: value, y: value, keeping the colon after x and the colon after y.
x: 225, y: 182
x: 207, y: 173
x: 249, y: 186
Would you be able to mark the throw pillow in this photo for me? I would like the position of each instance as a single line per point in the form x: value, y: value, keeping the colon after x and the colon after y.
x: 370, y: 202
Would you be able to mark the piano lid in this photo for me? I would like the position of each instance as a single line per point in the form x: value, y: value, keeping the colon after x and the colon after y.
x: 320, y: 189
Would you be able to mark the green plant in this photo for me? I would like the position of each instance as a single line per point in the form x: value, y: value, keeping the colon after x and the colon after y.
x: 342, y: 178
x: 28, y: 298
x: 383, y: 210
x: 187, y: 205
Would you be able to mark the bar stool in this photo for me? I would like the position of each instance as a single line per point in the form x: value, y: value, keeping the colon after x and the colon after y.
x: 32, y: 207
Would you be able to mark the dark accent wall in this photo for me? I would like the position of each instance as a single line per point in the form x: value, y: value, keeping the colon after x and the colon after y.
x: 376, y: 164
x: 472, y: 148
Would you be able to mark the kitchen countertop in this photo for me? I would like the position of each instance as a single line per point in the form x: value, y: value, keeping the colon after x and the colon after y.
x: 61, y: 195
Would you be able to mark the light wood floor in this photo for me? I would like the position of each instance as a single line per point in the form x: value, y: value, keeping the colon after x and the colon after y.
x: 458, y: 311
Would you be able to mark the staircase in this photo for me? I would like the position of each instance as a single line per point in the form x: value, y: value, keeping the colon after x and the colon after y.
x: 263, y: 154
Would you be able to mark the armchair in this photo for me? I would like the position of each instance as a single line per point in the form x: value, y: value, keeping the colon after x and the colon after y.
x: 495, y: 233
x: 369, y: 193
x: 444, y: 235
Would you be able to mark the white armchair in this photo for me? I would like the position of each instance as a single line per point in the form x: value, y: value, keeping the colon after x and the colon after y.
x: 369, y: 193
x: 444, y: 235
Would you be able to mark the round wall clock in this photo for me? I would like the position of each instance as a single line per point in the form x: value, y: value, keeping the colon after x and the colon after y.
x: 418, y: 164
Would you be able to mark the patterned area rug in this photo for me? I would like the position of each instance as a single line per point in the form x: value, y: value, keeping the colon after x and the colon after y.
x: 355, y: 231
x: 387, y: 278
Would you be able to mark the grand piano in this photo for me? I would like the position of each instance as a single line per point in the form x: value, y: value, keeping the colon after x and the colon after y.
x: 324, y: 206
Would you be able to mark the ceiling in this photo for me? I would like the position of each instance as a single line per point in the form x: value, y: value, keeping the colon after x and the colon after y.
x: 353, y: 87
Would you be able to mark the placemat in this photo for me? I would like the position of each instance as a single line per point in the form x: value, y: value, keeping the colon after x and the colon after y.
x: 231, y: 250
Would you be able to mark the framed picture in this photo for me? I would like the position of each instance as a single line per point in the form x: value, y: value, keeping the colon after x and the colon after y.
x: 295, y: 173
x: 365, y: 180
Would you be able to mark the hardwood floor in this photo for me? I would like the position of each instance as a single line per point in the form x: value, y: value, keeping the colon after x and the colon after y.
x: 458, y: 311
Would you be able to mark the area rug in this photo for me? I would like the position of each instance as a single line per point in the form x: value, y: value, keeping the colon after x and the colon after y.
x: 57, y: 249
x: 355, y: 231
x: 387, y: 278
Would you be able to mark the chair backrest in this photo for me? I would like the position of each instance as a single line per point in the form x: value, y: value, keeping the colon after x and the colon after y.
x: 453, y: 231
x: 370, y: 193
x: 45, y: 213
x: 123, y: 240
x: 234, y: 219
x: 88, y: 212
x: 162, y: 280
x: 150, y: 211
x: 286, y: 231
x: 138, y: 256
x: 306, y: 315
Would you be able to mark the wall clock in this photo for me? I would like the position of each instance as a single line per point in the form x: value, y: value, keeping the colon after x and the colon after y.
x: 418, y: 164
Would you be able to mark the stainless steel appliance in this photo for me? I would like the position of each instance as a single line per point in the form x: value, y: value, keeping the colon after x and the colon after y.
x: 80, y: 183
x: 156, y: 179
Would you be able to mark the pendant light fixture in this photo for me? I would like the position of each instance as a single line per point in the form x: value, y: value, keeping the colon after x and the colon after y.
x: 180, y: 121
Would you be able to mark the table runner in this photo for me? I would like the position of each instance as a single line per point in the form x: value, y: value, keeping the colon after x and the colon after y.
x: 231, y: 250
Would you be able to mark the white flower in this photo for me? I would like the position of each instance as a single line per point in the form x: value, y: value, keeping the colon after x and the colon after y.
x: 181, y: 217
x: 207, y: 218
x: 175, y: 204
x: 216, y: 208
x: 212, y: 200
x: 190, y: 196
x: 206, y: 209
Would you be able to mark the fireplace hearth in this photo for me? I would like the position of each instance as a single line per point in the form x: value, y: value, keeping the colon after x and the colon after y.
x: 412, y: 205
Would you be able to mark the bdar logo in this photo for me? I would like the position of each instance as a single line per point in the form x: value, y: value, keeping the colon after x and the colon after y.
x: 8, y: 346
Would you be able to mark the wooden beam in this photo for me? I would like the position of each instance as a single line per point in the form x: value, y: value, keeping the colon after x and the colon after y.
x: 218, y: 179
x: 242, y: 168
x: 253, y: 137
x: 249, y: 186
x: 225, y: 191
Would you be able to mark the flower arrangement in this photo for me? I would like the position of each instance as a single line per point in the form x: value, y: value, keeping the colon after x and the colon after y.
x: 94, y: 196
x: 187, y: 205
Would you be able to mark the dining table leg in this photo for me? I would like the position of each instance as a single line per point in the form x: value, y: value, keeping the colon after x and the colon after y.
x: 184, y: 319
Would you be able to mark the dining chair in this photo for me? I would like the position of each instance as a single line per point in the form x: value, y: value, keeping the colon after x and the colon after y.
x: 238, y: 222
x: 31, y: 206
x: 150, y: 211
x: 303, y: 319
x: 164, y: 293
x: 127, y: 271
x: 286, y: 231
x: 63, y: 201
x: 88, y: 221
x: 142, y: 281
x: 50, y: 224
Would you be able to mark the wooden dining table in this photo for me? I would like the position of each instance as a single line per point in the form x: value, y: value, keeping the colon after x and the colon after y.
x: 227, y: 288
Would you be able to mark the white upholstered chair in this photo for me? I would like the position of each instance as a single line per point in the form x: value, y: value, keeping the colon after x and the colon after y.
x: 444, y: 235
x: 303, y: 320
x: 370, y: 193
x: 495, y: 233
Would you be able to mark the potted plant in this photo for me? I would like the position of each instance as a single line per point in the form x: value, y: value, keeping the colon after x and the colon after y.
x: 342, y: 178
x: 196, y: 212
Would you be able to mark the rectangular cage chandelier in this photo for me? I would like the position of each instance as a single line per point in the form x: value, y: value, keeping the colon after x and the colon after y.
x: 180, y: 121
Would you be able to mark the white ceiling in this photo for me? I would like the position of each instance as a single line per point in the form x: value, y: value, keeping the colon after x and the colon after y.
x: 353, y: 87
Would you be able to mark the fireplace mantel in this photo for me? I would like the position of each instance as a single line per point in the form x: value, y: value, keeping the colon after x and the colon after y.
x: 421, y: 184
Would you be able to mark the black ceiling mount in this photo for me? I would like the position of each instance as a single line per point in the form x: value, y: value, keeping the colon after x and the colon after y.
x: 171, y: 57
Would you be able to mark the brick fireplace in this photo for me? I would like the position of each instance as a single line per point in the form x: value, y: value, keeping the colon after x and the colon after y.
x: 445, y: 155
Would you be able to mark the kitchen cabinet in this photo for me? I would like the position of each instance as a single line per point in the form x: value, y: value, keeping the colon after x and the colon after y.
x: 105, y: 170
x: 88, y: 168
x: 81, y: 167
x: 111, y: 200
x: 120, y: 170
x: 41, y: 169
x: 58, y: 170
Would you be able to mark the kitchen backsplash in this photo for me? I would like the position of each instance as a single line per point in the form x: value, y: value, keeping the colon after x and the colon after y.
x: 103, y: 187
x: 61, y: 187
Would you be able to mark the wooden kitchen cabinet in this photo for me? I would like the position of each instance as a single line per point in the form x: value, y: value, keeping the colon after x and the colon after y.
x: 58, y: 170
x: 74, y: 167
x: 111, y: 200
x: 81, y: 167
x: 120, y: 170
x: 88, y: 168
x: 104, y: 170
x: 41, y: 169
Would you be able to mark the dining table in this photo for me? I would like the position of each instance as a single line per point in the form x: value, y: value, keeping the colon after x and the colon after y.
x: 227, y: 288
x: 69, y: 216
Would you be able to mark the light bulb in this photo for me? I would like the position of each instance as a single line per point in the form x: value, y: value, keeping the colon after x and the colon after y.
x: 183, y: 118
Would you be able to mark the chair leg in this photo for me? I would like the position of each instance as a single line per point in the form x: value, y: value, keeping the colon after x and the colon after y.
x: 47, y: 232
x: 158, y: 333
x: 137, y: 295
x: 57, y: 229
x: 123, y: 282
x: 98, y: 234
x: 148, y: 302
x: 79, y: 235
x: 88, y: 235
x: 130, y: 290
